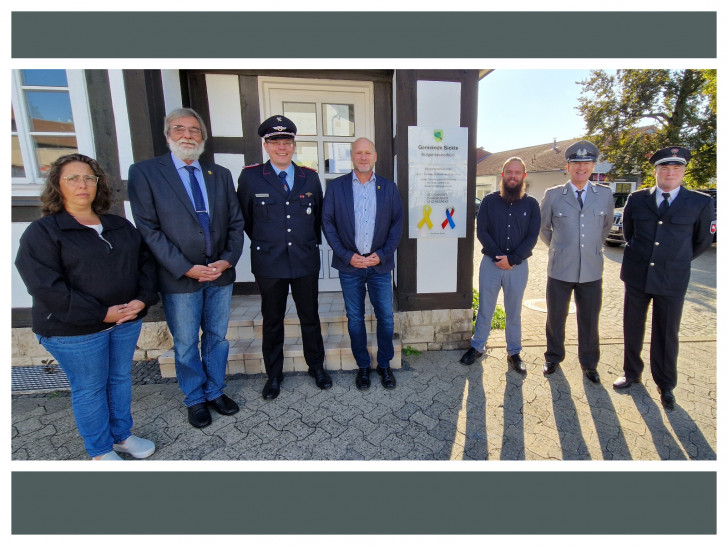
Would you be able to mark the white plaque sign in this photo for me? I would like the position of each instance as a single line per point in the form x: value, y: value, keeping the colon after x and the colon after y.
x: 438, y: 178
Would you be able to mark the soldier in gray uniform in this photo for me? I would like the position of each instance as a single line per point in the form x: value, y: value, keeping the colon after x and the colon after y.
x: 281, y: 204
x: 575, y: 221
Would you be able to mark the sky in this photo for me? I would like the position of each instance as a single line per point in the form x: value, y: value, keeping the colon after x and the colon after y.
x: 520, y: 108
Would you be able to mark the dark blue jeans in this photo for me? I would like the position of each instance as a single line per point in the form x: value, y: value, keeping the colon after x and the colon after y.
x: 354, y: 287
x: 200, y: 367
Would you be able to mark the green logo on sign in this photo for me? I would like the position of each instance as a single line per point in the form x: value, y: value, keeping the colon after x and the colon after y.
x: 438, y: 135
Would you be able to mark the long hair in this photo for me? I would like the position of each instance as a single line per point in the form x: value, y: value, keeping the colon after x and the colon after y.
x: 51, y: 197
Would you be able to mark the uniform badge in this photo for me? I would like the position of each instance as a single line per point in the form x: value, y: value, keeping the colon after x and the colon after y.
x: 308, y: 194
x: 712, y: 227
x: 308, y: 210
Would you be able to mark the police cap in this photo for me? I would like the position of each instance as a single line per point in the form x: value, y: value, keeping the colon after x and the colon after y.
x: 276, y: 127
x: 581, y: 151
x: 672, y: 155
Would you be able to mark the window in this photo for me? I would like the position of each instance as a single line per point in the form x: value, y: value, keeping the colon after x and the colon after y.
x: 49, y: 118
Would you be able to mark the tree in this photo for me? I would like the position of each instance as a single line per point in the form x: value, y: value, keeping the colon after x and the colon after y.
x: 633, y: 113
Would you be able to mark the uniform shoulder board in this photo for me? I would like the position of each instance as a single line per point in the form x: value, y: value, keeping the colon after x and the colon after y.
x: 308, y: 168
x: 253, y: 165
x: 603, y: 185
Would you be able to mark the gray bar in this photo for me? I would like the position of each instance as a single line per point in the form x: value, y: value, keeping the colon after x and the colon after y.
x: 346, y: 502
x: 336, y: 34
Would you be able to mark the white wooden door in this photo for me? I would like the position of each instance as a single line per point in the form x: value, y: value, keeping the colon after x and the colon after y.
x: 329, y: 115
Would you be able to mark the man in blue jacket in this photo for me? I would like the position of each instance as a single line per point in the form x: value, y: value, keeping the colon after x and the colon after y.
x: 362, y: 221
x: 666, y: 227
x: 281, y: 204
x: 187, y: 213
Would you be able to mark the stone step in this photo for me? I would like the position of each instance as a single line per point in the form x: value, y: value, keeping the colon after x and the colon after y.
x: 246, y: 355
x: 246, y: 320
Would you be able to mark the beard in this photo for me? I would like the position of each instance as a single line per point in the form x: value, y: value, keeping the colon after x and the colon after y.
x: 512, y: 193
x: 184, y: 153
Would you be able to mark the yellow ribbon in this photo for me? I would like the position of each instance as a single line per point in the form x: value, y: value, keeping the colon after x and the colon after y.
x: 426, y: 210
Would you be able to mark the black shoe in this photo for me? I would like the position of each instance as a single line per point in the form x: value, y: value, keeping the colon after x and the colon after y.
x: 323, y: 379
x: 272, y: 388
x: 224, y: 405
x: 469, y: 357
x: 517, y: 363
x: 667, y: 399
x: 624, y: 382
x: 549, y: 367
x: 388, y: 380
x: 362, y: 379
x: 591, y: 375
x: 198, y: 415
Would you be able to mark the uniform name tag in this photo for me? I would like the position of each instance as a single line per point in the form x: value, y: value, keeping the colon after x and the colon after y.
x: 262, y: 195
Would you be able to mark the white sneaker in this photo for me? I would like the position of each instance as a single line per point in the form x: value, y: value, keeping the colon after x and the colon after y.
x: 139, y: 448
x: 110, y: 456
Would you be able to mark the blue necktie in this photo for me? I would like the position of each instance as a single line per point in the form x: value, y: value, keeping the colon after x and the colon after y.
x: 578, y: 198
x: 282, y: 175
x: 202, y: 215
x: 662, y: 209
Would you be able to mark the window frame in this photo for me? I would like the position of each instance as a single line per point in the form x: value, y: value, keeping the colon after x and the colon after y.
x: 32, y: 183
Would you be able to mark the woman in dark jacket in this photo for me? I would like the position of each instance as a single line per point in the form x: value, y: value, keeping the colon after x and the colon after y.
x: 92, y: 280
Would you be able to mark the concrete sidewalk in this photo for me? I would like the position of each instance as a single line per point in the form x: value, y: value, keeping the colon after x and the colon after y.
x: 440, y: 410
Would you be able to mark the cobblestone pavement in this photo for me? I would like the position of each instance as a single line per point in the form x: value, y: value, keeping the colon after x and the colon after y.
x: 440, y: 410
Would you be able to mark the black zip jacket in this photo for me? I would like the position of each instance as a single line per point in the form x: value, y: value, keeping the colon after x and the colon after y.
x: 74, y: 276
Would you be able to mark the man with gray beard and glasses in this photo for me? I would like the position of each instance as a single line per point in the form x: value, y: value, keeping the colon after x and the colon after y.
x: 189, y: 216
x: 508, y: 225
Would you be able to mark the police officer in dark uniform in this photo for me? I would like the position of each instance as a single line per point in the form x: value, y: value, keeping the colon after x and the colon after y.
x: 281, y: 204
x: 666, y: 227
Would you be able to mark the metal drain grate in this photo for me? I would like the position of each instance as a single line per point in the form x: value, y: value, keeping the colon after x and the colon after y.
x: 35, y: 379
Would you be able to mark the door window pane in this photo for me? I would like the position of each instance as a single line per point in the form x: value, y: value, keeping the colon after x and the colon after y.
x: 306, y: 154
x: 49, y: 111
x: 46, y: 78
x: 16, y: 159
x: 303, y: 114
x: 338, y: 119
x: 50, y: 148
x: 337, y: 157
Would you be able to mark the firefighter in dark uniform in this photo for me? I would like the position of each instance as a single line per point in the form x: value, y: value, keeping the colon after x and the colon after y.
x: 666, y: 227
x: 281, y: 204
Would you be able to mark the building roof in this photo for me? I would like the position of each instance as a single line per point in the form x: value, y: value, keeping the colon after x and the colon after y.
x: 481, y: 154
x: 541, y: 158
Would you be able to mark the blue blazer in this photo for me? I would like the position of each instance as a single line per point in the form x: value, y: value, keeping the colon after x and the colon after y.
x: 164, y: 215
x: 338, y: 223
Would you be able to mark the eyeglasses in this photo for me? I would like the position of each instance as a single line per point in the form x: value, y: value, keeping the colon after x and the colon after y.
x: 282, y: 142
x: 180, y: 130
x: 76, y: 179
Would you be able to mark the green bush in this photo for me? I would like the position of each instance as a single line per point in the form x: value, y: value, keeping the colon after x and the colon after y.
x: 499, y: 315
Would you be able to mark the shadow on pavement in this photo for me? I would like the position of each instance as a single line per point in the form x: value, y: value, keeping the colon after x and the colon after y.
x: 665, y: 445
x: 573, y: 446
x: 513, y: 447
x: 689, y: 434
x: 476, y: 435
x: 609, y: 431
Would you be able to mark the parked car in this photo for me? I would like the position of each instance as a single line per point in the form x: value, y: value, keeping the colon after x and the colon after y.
x: 477, y: 206
x: 616, y: 234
